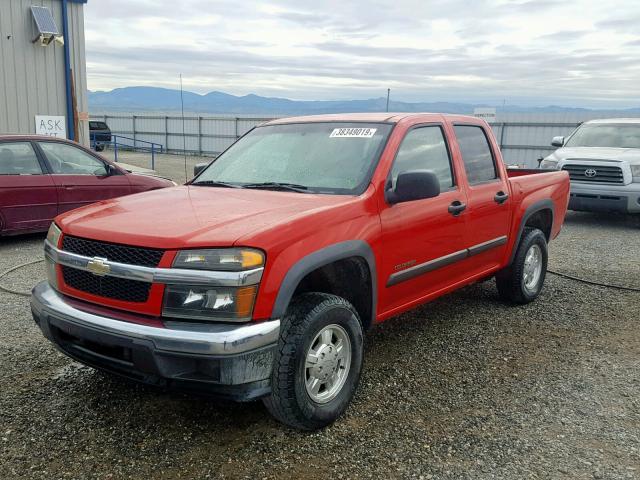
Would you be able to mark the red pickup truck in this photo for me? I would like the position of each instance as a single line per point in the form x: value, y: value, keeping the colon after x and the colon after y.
x: 259, y: 278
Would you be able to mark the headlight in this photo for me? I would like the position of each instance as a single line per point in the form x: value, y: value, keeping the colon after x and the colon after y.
x: 549, y: 164
x: 226, y: 259
x: 215, y: 303
x: 53, y: 235
x: 233, y: 304
x: 635, y: 173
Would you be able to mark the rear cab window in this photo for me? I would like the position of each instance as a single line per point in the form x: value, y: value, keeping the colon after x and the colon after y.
x: 98, y: 126
x: 18, y: 158
x: 478, y: 159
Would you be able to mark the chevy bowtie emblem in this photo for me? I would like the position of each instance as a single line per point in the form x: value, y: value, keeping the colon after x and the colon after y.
x: 97, y: 266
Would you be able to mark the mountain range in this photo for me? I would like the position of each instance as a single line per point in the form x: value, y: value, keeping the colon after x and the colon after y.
x: 166, y: 100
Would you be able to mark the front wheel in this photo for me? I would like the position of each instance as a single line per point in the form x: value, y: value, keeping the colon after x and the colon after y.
x: 318, y: 361
x: 522, y: 281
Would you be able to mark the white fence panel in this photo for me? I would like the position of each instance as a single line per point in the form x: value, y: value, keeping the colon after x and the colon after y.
x: 523, y: 137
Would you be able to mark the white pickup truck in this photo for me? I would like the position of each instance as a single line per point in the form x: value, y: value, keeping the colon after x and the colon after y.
x: 603, y: 161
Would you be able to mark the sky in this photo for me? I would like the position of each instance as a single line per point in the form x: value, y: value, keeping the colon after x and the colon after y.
x: 520, y: 52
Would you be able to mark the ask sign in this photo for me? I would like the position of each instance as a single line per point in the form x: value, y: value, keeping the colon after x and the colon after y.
x: 51, y: 125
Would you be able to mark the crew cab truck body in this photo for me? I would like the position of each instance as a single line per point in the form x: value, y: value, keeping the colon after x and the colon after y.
x: 258, y: 279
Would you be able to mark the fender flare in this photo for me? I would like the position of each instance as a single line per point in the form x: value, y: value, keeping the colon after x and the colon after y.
x: 546, y: 204
x: 318, y: 259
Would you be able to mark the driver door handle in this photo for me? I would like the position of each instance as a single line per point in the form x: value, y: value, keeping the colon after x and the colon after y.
x: 456, y: 208
x: 501, y: 197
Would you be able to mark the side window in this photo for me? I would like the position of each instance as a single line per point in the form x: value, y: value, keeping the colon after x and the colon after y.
x: 424, y: 148
x: 476, y: 154
x: 18, y: 159
x: 69, y: 160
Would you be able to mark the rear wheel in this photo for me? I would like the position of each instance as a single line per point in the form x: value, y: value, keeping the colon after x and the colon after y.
x: 99, y: 148
x: 522, y: 281
x: 318, y: 362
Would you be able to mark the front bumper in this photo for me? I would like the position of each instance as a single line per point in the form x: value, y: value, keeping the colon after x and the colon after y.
x: 227, y: 360
x: 605, y: 198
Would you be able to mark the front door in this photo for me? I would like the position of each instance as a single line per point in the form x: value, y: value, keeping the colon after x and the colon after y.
x: 28, y: 196
x: 423, y: 242
x: 81, y: 177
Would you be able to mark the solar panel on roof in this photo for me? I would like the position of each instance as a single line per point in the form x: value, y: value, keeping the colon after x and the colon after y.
x: 44, y: 21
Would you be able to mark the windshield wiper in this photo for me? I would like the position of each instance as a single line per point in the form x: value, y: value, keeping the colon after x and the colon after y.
x: 215, y: 183
x: 293, y: 187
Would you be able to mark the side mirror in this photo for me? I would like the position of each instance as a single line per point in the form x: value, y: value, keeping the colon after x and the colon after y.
x: 199, y: 168
x: 107, y: 171
x: 414, y: 185
x: 557, y: 142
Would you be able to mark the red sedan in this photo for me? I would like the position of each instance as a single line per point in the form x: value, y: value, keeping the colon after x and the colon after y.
x: 41, y: 177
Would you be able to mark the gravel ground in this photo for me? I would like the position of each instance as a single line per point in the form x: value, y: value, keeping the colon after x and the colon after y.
x: 464, y: 387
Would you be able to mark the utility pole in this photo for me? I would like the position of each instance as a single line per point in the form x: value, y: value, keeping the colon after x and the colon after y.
x: 388, y: 93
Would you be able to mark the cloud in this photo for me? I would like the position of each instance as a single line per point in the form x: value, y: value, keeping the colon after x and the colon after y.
x: 576, y: 53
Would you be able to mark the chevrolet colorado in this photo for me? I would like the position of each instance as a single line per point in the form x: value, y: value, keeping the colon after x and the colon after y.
x: 603, y: 161
x: 259, y: 278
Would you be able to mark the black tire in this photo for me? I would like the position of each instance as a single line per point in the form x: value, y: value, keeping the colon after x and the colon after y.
x: 99, y: 148
x: 511, y: 282
x: 307, y: 315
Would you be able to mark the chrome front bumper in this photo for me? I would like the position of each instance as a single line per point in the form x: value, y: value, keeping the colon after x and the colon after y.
x: 178, y: 353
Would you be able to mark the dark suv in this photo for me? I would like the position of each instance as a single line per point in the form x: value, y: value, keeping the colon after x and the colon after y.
x: 100, y: 134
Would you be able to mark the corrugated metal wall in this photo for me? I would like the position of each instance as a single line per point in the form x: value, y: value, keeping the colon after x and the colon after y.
x: 523, y: 137
x: 32, y: 78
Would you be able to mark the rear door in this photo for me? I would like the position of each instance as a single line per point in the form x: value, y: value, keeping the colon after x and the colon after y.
x: 81, y: 177
x: 28, y: 196
x: 488, y: 202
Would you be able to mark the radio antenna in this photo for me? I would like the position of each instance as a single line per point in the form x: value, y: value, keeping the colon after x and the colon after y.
x: 184, y: 144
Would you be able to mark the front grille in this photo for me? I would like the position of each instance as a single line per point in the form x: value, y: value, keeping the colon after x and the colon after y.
x: 603, y: 174
x: 110, y: 287
x: 146, y: 257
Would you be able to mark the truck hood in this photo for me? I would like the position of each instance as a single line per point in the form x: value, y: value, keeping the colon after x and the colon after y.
x: 189, y: 216
x: 630, y: 155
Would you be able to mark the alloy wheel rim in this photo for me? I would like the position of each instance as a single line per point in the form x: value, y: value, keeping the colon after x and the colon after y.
x: 327, y: 363
x: 532, y: 271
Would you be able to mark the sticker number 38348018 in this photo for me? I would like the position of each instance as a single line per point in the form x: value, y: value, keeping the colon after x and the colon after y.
x: 353, y: 132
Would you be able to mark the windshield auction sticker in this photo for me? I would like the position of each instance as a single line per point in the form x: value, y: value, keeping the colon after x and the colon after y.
x: 353, y: 132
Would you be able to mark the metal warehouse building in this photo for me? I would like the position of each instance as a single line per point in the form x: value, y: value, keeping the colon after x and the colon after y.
x: 43, y: 79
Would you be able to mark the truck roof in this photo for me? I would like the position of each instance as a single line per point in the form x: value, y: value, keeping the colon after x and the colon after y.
x: 387, y: 117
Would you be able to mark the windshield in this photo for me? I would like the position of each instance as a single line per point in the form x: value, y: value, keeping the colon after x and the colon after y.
x: 335, y: 157
x: 610, y: 135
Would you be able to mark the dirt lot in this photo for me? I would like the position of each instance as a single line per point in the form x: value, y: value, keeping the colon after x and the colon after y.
x: 465, y: 387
